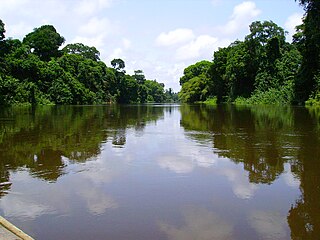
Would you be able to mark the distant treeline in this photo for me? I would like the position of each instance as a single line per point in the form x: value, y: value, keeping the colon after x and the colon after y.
x: 262, y: 69
x: 36, y: 71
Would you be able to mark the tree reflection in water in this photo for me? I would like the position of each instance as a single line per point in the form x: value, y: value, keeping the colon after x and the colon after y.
x: 264, y: 139
x: 42, y: 139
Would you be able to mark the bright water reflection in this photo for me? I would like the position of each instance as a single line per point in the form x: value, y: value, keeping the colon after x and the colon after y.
x: 161, y: 172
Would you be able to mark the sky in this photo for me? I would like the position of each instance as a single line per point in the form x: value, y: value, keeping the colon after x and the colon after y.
x: 160, y: 37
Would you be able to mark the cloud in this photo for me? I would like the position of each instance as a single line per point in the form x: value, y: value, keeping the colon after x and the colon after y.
x: 12, y: 5
x: 96, y: 41
x: 174, y: 37
x: 88, y: 7
x: 19, y: 30
x: 195, y: 48
x: 291, y: 23
x: 242, y: 16
x: 96, y: 26
x: 120, y: 52
x: 126, y: 43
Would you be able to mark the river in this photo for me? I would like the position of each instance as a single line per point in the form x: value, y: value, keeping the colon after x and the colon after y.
x: 176, y: 172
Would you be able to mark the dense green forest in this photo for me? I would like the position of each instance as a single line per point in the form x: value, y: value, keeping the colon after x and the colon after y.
x: 37, y: 71
x: 263, y: 68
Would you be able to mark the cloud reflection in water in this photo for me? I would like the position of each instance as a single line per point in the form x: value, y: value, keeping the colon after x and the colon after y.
x: 200, y: 224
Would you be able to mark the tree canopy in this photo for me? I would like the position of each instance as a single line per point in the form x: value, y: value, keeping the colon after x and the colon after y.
x: 2, y: 30
x: 36, y: 71
x: 44, y: 42
x: 83, y: 50
x: 263, y: 68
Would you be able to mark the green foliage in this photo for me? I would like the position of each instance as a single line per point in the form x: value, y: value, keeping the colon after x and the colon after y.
x: 194, y: 90
x: 170, y: 96
x: 262, y: 69
x: 314, y: 99
x: 35, y: 71
x: 118, y: 64
x: 200, y: 68
x: 262, y: 32
x: 271, y: 96
x: 139, y: 76
x: 211, y: 101
x: 45, y: 42
x: 307, y: 39
x: 195, y: 82
x: 2, y: 30
x: 155, y: 90
x: 83, y: 50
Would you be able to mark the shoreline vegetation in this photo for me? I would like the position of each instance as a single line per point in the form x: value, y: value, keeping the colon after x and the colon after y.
x: 263, y: 68
x: 36, y: 71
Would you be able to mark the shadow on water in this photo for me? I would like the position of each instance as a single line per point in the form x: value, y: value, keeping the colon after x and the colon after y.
x: 41, y: 139
x: 264, y: 138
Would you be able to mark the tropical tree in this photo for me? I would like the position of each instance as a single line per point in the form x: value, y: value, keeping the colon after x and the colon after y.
x: 83, y: 50
x: 44, y: 42
x: 2, y: 30
x: 139, y: 76
x: 308, y: 38
x: 118, y: 64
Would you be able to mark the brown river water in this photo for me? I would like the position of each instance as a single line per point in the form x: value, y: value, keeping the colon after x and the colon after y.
x: 176, y: 172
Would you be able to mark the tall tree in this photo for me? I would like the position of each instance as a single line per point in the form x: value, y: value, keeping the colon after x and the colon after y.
x: 44, y: 41
x: 263, y: 31
x: 139, y: 76
x: 2, y: 30
x: 309, y: 75
x: 83, y: 50
x: 118, y: 64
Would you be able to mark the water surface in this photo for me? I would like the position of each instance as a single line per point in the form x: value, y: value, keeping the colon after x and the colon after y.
x: 161, y: 172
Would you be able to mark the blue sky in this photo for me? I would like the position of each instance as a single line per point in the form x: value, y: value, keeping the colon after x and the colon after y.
x: 159, y: 37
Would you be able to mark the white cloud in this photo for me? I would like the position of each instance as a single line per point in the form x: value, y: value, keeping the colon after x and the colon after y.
x: 19, y: 30
x: 89, y: 7
x: 11, y: 5
x: 120, y: 52
x: 293, y: 21
x: 96, y: 26
x: 180, y: 35
x: 117, y: 53
x: 96, y: 41
x: 126, y: 43
x: 242, y: 16
x: 195, y: 48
